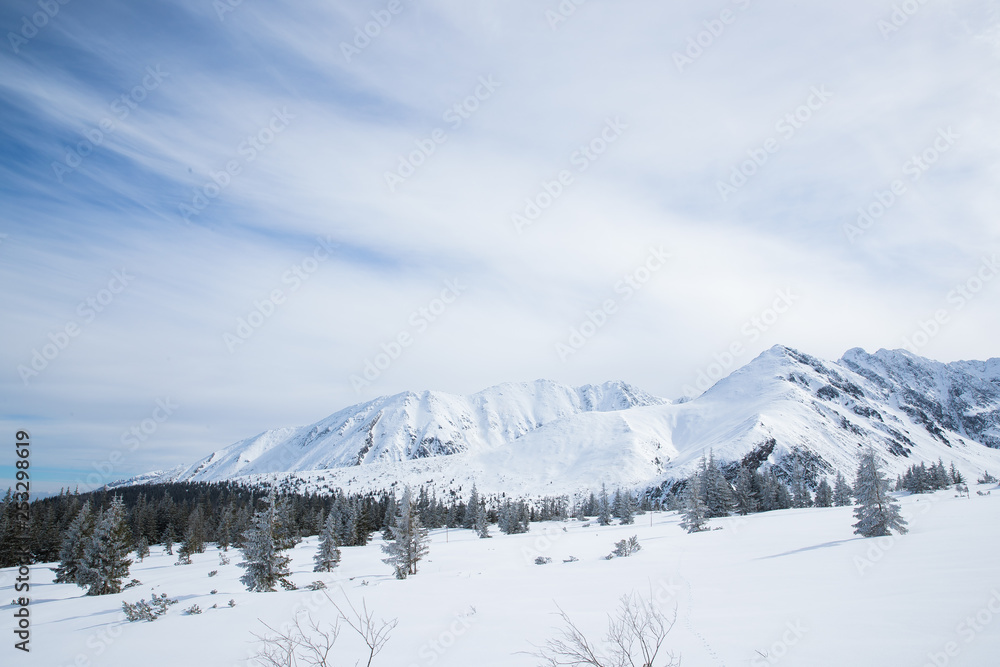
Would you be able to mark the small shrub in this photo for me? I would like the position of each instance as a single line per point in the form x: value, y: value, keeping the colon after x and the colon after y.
x: 316, y: 586
x: 571, y: 559
x: 213, y: 591
x: 987, y: 478
x: 223, y: 559
x: 213, y: 573
x: 192, y: 610
x: 232, y: 603
x: 542, y: 560
x: 625, y: 548
x: 131, y: 584
x: 147, y: 611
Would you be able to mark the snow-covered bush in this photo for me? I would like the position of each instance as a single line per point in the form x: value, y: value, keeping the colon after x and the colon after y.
x: 316, y: 586
x: 625, y: 548
x: 147, y: 611
x: 987, y: 478
x: 542, y: 560
x: 192, y: 610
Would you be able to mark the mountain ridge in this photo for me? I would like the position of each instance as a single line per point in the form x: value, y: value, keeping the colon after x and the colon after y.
x: 782, y: 408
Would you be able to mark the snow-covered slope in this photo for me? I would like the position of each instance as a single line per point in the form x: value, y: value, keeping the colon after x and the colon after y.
x: 782, y: 409
x: 412, y: 426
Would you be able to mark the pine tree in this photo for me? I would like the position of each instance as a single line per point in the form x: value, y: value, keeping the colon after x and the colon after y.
x: 168, y: 540
x: 603, y: 508
x: 74, y: 543
x: 694, y: 512
x: 718, y: 495
x: 472, y: 510
x: 956, y: 477
x: 105, y: 560
x: 482, y: 527
x: 262, y: 548
x: 142, y: 548
x: 824, y: 494
x: 842, y: 492
x: 745, y: 493
x: 409, y: 543
x: 328, y: 555
x: 800, y: 491
x: 877, y: 512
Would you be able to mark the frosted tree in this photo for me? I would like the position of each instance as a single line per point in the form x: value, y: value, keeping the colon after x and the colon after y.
x: 482, y: 526
x: 105, y: 560
x: 824, y: 494
x: 800, y: 491
x: 718, y: 495
x: 603, y: 508
x: 409, y: 543
x: 142, y: 548
x: 328, y: 555
x: 842, y: 492
x: 73, y: 545
x: 262, y: 548
x: 877, y: 512
x: 745, y: 493
x: 472, y: 510
x: 694, y: 513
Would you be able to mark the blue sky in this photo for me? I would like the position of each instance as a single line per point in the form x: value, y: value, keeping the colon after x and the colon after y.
x: 169, y: 168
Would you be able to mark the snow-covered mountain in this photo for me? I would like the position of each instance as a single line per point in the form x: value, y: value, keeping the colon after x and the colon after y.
x: 783, y: 408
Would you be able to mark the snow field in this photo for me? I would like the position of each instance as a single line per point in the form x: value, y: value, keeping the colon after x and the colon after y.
x: 793, y: 587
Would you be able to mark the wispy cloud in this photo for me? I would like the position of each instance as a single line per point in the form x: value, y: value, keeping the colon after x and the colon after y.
x: 135, y: 149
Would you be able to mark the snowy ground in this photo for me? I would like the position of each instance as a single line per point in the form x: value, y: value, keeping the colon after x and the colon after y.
x: 795, y: 586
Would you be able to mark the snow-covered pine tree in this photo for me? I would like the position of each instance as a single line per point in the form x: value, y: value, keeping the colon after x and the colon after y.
x: 194, y: 535
x: 877, y: 512
x: 390, y: 517
x: 142, y: 548
x: 694, y: 513
x: 628, y: 506
x: 472, y: 509
x: 74, y: 544
x: 328, y: 554
x: 745, y: 493
x: 603, y: 508
x: 956, y: 477
x: 718, y: 495
x: 800, y: 491
x: 824, y: 494
x: 942, y: 480
x: 482, y: 527
x: 169, y: 537
x: 409, y: 543
x: 262, y: 548
x: 842, y: 492
x: 105, y: 562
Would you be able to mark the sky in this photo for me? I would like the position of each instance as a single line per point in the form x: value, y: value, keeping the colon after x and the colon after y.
x: 222, y: 217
